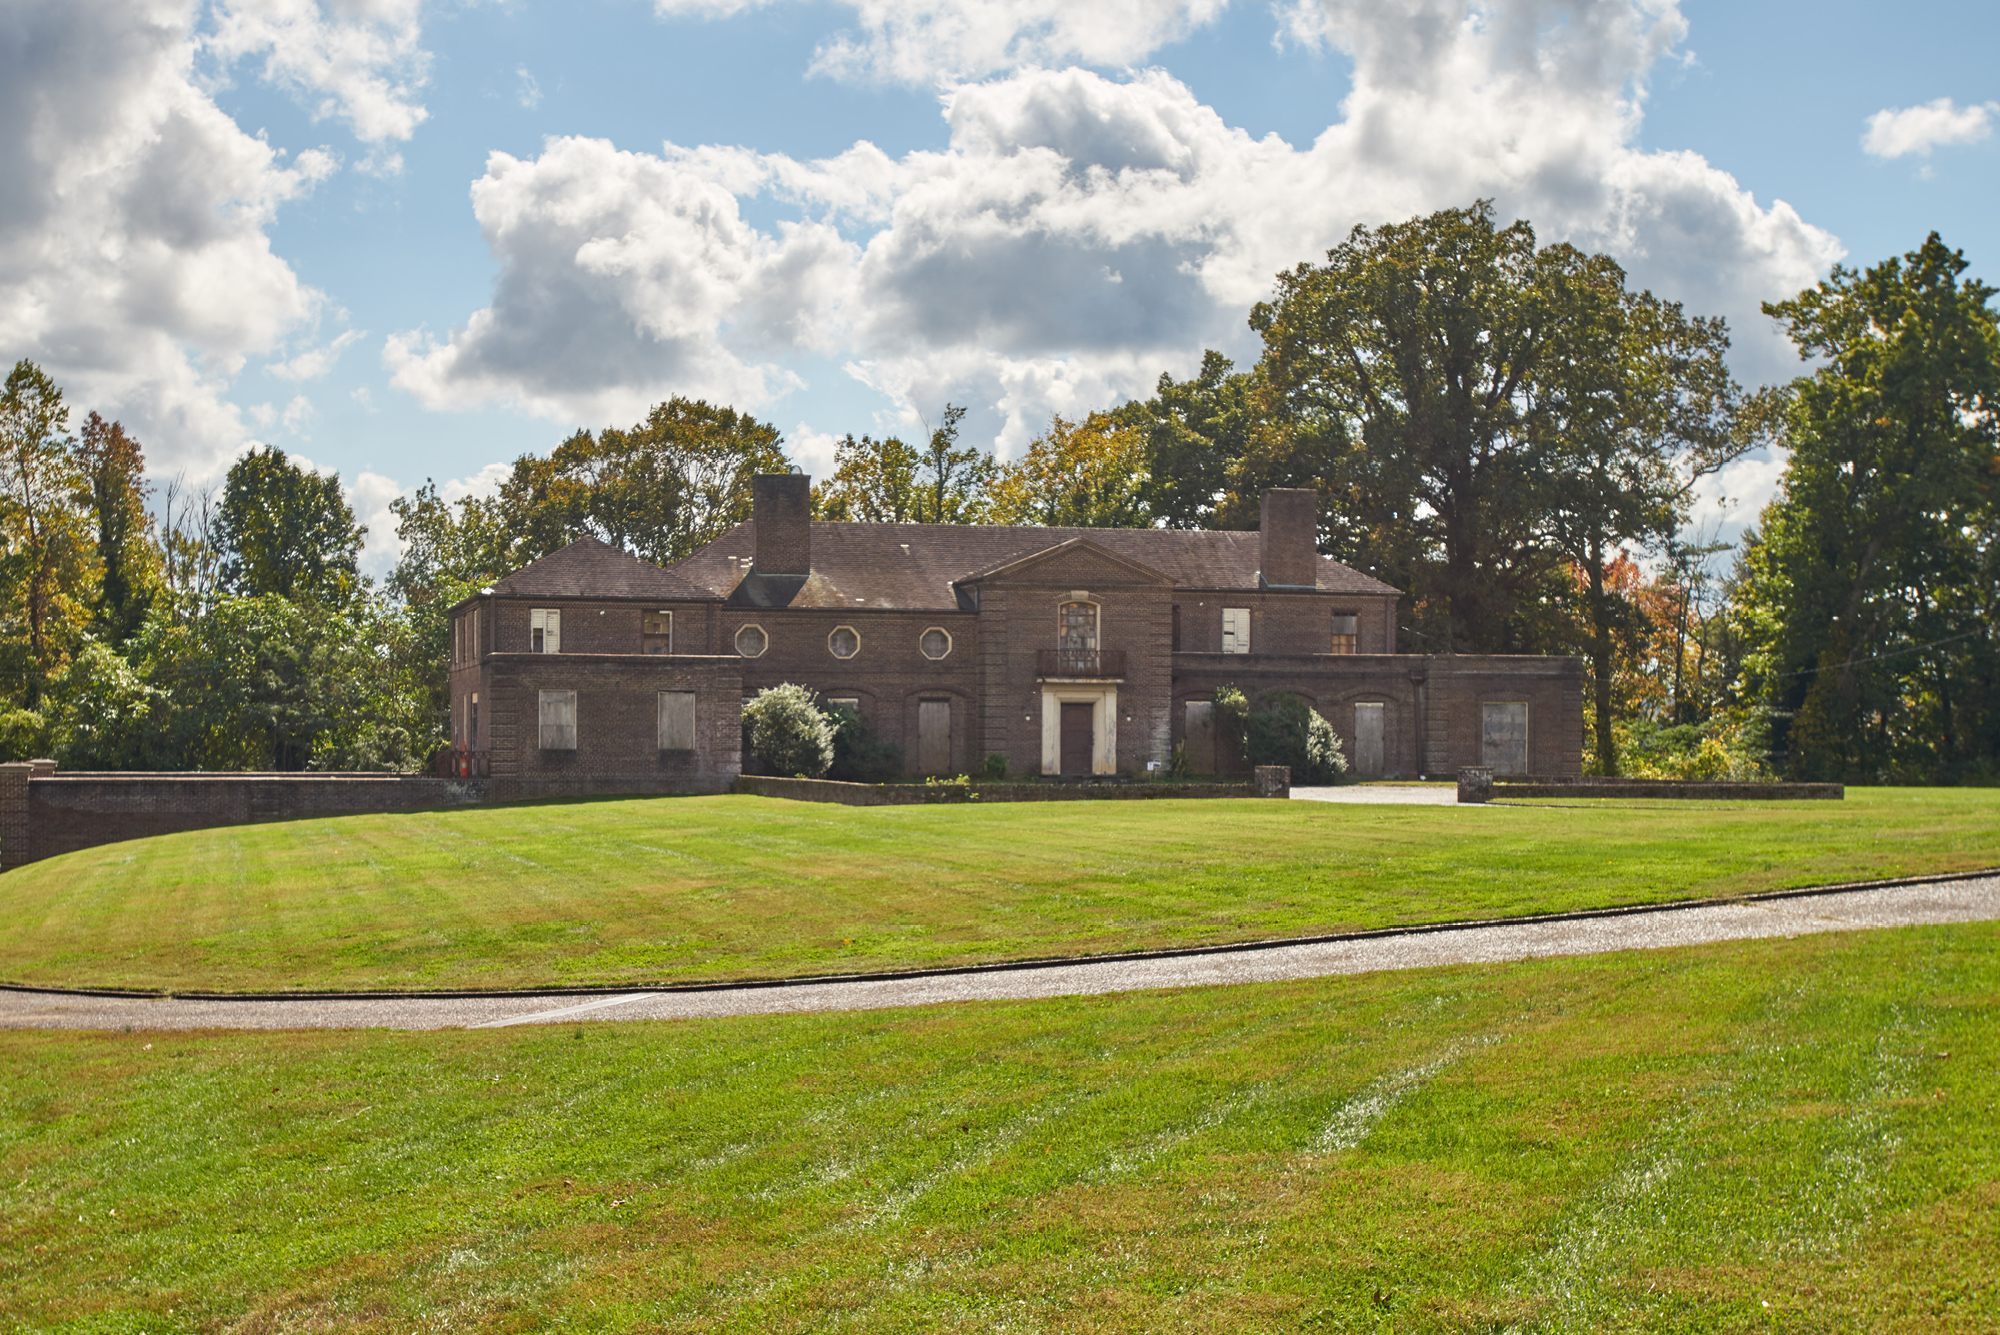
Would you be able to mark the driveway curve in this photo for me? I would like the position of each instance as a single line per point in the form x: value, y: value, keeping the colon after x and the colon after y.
x: 1930, y: 901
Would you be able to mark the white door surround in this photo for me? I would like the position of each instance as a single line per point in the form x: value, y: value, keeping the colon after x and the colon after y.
x: 1103, y: 746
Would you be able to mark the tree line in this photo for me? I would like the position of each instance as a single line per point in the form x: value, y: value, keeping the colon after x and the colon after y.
x: 1506, y: 430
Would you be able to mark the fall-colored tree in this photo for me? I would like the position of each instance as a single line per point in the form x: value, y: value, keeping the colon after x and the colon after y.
x: 873, y: 482
x: 49, y: 568
x: 1088, y: 474
x: 127, y: 554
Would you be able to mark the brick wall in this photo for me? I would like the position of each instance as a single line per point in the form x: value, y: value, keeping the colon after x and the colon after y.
x: 617, y: 723
x: 56, y: 813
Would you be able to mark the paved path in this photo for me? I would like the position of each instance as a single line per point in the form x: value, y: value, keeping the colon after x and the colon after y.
x: 1385, y: 794
x: 1968, y: 900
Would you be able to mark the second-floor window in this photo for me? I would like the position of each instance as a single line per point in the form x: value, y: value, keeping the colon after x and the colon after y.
x: 1235, y: 630
x: 545, y: 631
x: 1346, y: 633
x: 658, y: 632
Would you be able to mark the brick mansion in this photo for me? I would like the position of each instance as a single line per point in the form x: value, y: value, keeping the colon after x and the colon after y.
x: 1070, y: 652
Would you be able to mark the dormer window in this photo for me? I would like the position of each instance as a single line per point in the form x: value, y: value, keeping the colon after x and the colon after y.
x: 545, y: 631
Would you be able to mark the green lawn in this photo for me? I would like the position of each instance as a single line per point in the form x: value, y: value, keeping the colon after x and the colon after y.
x: 1779, y: 1135
x: 699, y: 888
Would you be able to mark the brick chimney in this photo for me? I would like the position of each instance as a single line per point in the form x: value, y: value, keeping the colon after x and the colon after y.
x: 1288, y: 533
x: 781, y: 507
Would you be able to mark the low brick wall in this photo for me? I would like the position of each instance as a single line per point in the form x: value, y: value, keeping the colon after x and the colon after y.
x: 922, y: 794
x: 1685, y: 788
x: 67, y: 812
x: 44, y: 813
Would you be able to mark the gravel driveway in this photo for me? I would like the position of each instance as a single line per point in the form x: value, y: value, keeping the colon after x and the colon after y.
x: 1969, y: 899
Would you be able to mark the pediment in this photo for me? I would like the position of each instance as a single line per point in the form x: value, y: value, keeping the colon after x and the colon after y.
x: 1074, y: 561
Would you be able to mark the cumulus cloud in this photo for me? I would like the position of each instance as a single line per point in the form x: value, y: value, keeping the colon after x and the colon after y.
x: 359, y: 60
x: 370, y: 494
x: 943, y: 41
x: 1896, y: 133
x: 618, y: 275
x: 315, y: 362
x: 134, y: 262
x: 1080, y: 233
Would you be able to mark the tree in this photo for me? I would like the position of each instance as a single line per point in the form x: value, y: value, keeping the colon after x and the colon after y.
x: 951, y: 478
x: 788, y: 733
x: 873, y: 482
x: 1628, y: 409
x: 45, y: 496
x: 115, y: 467
x: 1089, y: 474
x: 1870, y: 589
x: 1196, y: 432
x: 671, y: 483
x: 1399, y: 377
x: 286, y: 531
x: 1285, y: 730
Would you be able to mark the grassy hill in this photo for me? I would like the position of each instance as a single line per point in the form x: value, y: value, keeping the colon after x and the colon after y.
x: 704, y: 888
x: 1772, y: 1135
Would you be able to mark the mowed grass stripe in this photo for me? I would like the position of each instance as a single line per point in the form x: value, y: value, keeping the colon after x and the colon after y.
x: 676, y: 890
x: 1758, y: 1135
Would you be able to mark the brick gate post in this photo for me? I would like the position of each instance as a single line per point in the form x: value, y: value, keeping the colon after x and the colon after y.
x: 15, y: 834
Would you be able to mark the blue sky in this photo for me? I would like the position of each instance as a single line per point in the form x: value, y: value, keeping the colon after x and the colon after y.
x: 411, y: 240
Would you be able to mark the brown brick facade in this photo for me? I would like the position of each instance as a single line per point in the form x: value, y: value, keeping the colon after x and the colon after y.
x: 844, y: 609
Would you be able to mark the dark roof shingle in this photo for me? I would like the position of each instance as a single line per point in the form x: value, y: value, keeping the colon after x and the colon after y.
x: 589, y: 568
x: 915, y: 566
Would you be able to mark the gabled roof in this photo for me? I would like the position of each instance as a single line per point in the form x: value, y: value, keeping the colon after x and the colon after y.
x: 589, y: 568
x: 1017, y: 567
x: 920, y: 567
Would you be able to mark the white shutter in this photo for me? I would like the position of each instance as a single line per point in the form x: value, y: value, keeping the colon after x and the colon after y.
x: 1235, y: 630
x: 548, y: 621
x: 677, y: 720
x: 558, y: 720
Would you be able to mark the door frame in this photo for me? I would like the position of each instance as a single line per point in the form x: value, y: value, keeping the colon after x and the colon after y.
x: 1104, y: 741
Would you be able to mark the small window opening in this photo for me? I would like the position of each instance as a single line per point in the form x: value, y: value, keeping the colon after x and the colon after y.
x: 1346, y: 633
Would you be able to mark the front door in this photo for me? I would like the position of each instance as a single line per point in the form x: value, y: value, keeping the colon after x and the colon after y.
x: 1079, y: 724
x: 934, y: 736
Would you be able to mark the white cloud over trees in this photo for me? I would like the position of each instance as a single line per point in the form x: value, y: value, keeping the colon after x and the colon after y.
x: 1079, y: 233
x: 1893, y: 133
x: 135, y: 261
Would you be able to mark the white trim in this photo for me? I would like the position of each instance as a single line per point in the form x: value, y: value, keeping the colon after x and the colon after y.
x: 736, y: 640
x: 948, y: 646
x: 835, y: 652
x: 1103, y: 745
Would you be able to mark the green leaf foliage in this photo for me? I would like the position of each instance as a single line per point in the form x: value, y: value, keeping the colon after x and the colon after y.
x: 1870, y: 590
x: 1285, y: 730
x: 287, y: 531
x: 788, y: 734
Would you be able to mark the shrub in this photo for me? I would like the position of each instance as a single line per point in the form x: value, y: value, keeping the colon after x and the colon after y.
x: 1285, y: 730
x: 859, y: 753
x: 994, y: 769
x: 788, y: 733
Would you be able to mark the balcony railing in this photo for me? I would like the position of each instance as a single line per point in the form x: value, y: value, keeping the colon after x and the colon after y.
x: 1104, y: 664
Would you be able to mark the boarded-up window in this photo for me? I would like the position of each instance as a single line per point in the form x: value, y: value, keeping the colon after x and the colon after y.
x: 558, y: 720
x: 1199, y: 735
x: 1235, y: 630
x: 545, y: 631
x: 1346, y: 632
x: 677, y: 720
x: 1503, y: 738
x: 657, y: 632
x: 1368, y: 720
x: 933, y: 736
